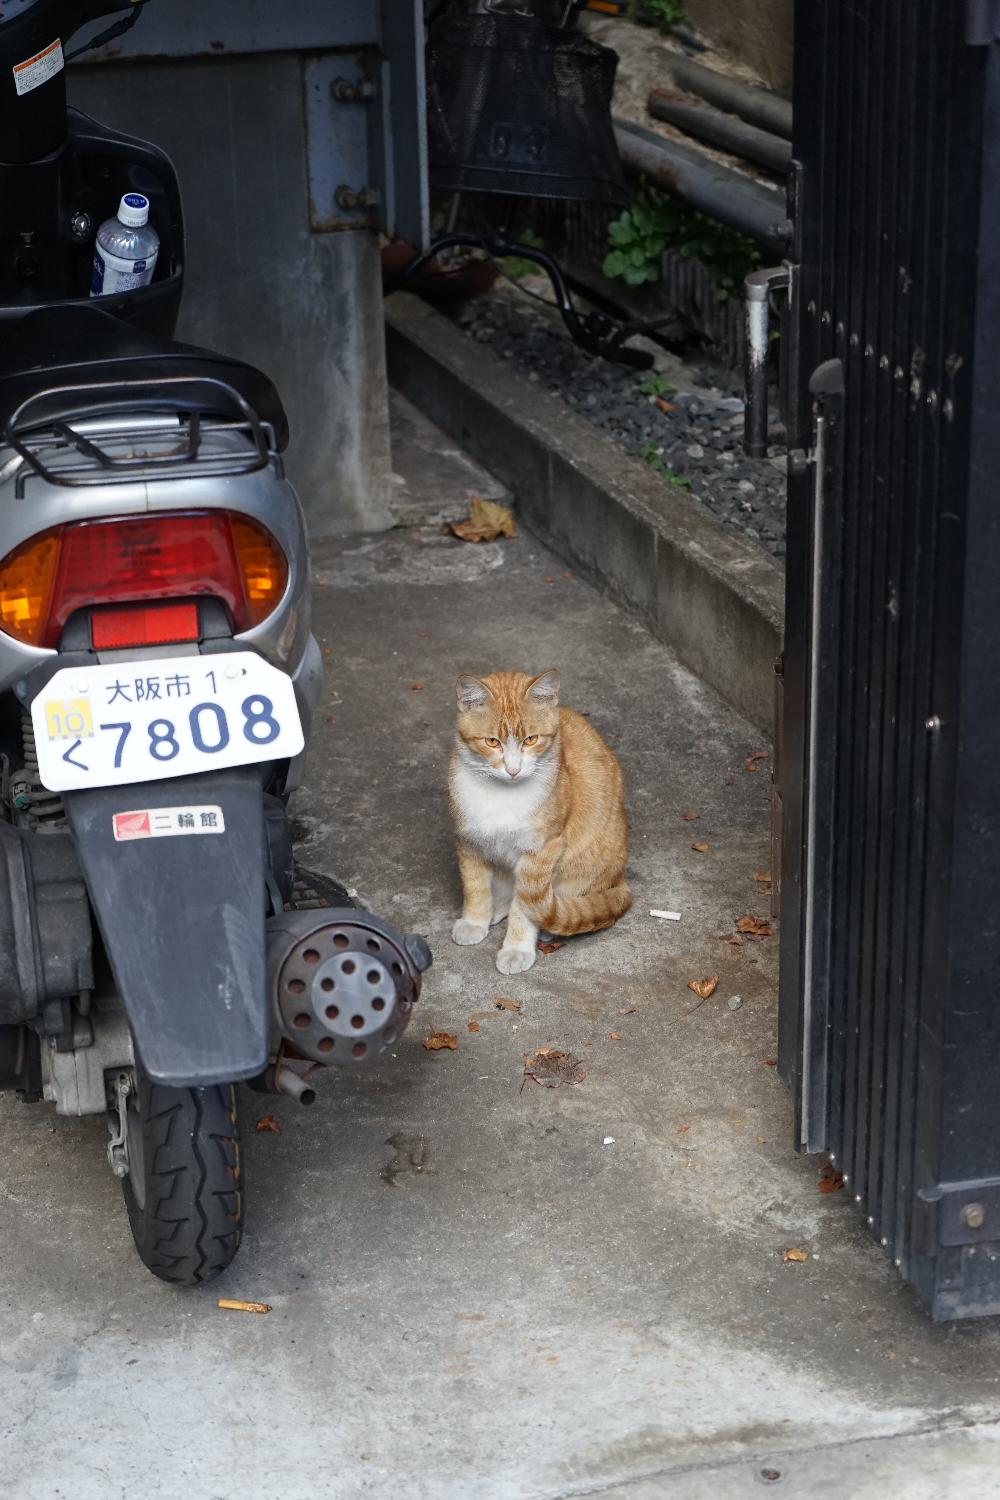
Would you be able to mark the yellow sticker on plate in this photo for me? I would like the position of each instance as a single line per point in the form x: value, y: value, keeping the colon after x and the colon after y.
x: 69, y: 719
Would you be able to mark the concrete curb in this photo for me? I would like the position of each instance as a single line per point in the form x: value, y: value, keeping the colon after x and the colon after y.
x: 695, y: 584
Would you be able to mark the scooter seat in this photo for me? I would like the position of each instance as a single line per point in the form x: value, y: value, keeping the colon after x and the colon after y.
x: 64, y: 349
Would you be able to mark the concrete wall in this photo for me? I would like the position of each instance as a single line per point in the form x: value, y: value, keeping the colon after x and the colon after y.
x: 305, y: 307
x: 757, y: 33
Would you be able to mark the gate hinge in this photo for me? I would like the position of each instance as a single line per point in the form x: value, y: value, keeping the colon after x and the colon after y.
x: 982, y: 22
x: 956, y: 1213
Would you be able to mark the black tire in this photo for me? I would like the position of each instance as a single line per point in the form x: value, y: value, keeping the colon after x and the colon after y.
x: 184, y: 1189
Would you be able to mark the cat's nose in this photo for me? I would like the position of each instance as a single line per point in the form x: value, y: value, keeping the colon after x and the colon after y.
x: 513, y: 773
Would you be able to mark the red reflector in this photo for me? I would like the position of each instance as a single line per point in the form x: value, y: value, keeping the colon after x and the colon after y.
x: 144, y: 625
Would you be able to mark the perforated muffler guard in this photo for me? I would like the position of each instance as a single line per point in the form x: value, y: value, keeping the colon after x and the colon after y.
x: 342, y: 982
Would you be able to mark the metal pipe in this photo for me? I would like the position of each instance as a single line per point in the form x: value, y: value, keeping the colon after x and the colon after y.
x: 287, y: 1081
x: 722, y: 130
x: 756, y: 105
x: 759, y: 286
x: 705, y: 185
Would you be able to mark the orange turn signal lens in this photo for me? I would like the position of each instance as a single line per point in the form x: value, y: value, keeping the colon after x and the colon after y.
x: 262, y: 564
x: 26, y: 578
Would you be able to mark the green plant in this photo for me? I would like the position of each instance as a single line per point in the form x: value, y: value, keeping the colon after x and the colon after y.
x: 651, y: 455
x: 656, y: 222
x: 519, y: 265
x: 656, y: 386
x: 664, y: 13
x: 638, y: 238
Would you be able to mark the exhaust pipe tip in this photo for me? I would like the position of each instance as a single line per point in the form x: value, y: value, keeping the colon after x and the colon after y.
x: 293, y: 1085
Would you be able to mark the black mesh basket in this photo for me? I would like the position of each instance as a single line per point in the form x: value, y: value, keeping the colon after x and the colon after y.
x: 519, y: 107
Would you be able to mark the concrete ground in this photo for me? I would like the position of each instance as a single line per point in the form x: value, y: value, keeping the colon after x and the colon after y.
x: 552, y: 1293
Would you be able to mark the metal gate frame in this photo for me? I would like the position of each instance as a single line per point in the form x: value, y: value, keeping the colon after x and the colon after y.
x: 890, y: 1024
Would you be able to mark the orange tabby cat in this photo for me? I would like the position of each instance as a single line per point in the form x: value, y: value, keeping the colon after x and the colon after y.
x: 537, y: 800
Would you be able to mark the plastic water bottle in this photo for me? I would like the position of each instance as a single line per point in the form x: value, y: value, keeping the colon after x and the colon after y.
x: 126, y: 249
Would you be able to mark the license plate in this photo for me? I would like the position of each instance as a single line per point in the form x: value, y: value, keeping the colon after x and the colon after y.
x: 172, y: 716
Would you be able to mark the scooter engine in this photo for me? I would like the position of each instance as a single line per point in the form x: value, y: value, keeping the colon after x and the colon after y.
x: 343, y: 983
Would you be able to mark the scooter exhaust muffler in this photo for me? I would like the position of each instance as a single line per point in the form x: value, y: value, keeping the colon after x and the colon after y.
x: 343, y: 983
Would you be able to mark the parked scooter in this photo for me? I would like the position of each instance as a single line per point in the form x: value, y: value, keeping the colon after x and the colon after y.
x: 157, y: 682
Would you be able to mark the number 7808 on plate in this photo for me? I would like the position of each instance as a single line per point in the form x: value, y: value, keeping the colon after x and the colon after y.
x: 125, y: 722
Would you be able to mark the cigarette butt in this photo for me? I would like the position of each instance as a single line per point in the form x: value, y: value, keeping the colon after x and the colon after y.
x: 235, y: 1305
x: 668, y: 916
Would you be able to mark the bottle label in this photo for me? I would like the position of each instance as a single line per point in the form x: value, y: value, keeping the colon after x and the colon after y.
x: 35, y: 71
x: 114, y: 274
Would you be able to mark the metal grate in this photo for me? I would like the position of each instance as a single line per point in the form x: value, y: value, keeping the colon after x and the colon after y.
x: 890, y: 1037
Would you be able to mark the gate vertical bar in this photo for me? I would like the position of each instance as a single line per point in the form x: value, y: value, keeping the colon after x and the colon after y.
x: 891, y: 875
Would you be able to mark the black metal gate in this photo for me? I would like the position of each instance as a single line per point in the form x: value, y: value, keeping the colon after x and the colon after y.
x: 890, y: 1019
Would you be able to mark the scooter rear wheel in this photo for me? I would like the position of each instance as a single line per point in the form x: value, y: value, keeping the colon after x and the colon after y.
x: 184, y: 1188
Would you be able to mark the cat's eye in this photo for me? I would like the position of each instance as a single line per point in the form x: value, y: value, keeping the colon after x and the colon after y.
x: 492, y: 743
x: 532, y: 739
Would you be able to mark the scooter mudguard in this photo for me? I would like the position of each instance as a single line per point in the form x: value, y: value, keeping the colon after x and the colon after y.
x: 175, y: 871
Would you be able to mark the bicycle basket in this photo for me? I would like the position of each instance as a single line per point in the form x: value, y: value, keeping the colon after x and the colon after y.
x: 519, y: 107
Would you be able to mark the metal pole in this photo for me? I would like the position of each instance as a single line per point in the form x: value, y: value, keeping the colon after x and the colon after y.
x: 756, y: 105
x: 722, y: 130
x: 712, y: 189
x: 759, y: 286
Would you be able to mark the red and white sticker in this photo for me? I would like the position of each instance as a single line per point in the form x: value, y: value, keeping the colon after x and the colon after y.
x: 35, y: 71
x: 167, y: 822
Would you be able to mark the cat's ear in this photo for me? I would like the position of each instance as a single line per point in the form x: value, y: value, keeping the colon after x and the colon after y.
x: 471, y: 693
x: 544, y: 689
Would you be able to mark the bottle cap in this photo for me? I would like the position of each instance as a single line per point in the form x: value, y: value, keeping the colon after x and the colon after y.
x: 134, y: 210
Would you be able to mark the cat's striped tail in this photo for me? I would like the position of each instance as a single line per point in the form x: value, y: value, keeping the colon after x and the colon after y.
x: 567, y: 915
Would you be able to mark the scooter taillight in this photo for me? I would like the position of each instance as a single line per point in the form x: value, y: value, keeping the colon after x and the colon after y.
x: 170, y: 555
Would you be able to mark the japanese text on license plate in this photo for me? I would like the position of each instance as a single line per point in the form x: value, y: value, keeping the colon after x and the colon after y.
x: 97, y: 726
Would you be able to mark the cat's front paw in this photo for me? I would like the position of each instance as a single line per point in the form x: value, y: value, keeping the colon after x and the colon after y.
x: 467, y: 932
x: 515, y: 960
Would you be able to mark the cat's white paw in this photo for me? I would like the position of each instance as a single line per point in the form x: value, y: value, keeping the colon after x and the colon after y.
x: 467, y: 933
x: 515, y: 960
x: 500, y: 914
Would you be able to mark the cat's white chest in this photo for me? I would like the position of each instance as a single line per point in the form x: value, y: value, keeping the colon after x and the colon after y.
x: 498, y: 818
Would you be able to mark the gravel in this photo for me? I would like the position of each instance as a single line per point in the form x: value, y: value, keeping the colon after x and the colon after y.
x: 691, y: 433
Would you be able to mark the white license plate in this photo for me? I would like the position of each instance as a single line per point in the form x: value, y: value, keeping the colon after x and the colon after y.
x: 171, y: 716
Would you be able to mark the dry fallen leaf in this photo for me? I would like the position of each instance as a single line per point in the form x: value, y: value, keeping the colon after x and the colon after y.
x: 830, y: 1180
x: 666, y: 405
x: 731, y: 937
x: 683, y: 1129
x: 751, y: 760
x: 507, y: 1004
x: 762, y: 1140
x: 763, y: 877
x: 615, y: 1036
x: 690, y: 816
x: 439, y: 1039
x: 416, y: 687
x: 769, y: 1062
x: 628, y: 1010
x: 550, y: 947
x: 754, y: 926
x: 234, y: 1304
x: 795, y: 1253
x: 486, y: 521
x: 472, y: 1025
x: 268, y: 1122
x: 550, y: 1067
x: 700, y: 847
x: 730, y: 778
x: 704, y: 987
